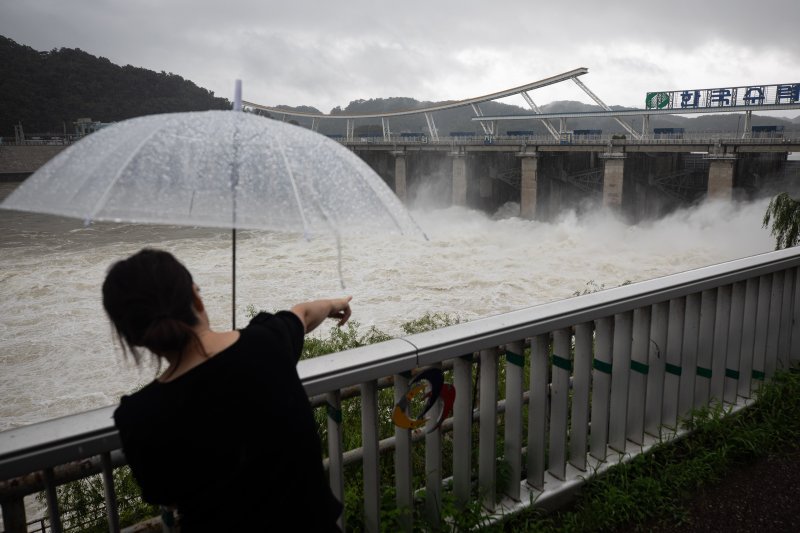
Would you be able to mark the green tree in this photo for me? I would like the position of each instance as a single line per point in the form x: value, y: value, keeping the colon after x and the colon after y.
x: 784, y: 213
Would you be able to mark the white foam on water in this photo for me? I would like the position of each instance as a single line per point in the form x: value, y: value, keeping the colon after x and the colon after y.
x: 57, y: 353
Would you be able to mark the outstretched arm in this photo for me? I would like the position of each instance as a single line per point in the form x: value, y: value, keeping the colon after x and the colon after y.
x: 312, y: 314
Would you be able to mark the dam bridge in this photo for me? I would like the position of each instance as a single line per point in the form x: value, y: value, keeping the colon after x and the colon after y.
x: 547, y: 167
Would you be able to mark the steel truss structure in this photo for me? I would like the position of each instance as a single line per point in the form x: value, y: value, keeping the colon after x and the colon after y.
x: 489, y: 123
x: 489, y: 128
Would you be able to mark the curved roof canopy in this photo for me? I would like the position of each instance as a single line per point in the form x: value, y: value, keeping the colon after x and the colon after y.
x: 439, y: 107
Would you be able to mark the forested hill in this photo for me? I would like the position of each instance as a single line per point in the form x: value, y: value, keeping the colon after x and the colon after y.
x: 45, y: 90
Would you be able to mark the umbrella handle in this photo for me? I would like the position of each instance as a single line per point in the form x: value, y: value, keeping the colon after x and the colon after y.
x: 237, y: 106
x: 233, y: 280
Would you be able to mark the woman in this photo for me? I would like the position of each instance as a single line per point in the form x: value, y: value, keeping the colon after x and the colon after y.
x: 226, y: 433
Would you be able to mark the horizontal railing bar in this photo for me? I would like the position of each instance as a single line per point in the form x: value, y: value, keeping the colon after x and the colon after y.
x: 343, y: 369
x: 57, y: 441
x: 446, y: 343
x: 33, y: 482
x: 386, y: 445
x: 354, y: 391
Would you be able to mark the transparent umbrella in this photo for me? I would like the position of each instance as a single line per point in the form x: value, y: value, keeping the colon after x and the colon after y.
x: 220, y: 169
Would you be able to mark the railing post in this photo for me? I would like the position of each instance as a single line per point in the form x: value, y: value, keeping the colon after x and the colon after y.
x: 433, y: 466
x: 601, y: 387
x: 659, y: 318
x: 705, y: 348
x: 691, y: 331
x: 722, y: 317
x: 110, y: 495
x: 582, y: 375
x: 787, y: 318
x: 672, y: 367
x: 462, y: 430
x: 14, y: 520
x: 52, y: 500
x: 794, y: 351
x: 333, y: 407
x: 749, y: 320
x: 734, y: 342
x: 762, y: 330
x: 487, y: 454
x: 402, y: 460
x: 515, y: 362
x: 640, y: 369
x: 537, y: 411
x: 620, y: 374
x: 369, y: 442
x: 774, y: 330
x: 559, y: 396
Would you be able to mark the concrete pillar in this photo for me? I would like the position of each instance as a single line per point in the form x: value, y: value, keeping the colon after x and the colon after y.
x: 459, y: 180
x: 400, y: 176
x: 528, y: 185
x: 613, y: 171
x: 553, y: 200
x: 486, y: 187
x: 486, y: 191
x: 720, y: 178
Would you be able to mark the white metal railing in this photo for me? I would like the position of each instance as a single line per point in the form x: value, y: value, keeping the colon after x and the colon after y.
x: 635, y: 359
x: 700, y: 138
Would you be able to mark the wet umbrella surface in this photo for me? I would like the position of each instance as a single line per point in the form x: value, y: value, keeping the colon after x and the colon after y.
x: 219, y: 169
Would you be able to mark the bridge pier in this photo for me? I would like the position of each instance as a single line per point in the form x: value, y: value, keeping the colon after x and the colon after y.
x: 720, y: 176
x: 459, y: 178
x: 486, y: 192
x: 613, y: 173
x: 400, y: 175
x: 529, y: 181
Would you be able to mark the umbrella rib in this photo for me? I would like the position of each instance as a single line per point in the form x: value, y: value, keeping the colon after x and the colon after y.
x: 372, y: 189
x: 294, y: 186
x: 113, y: 182
x: 388, y: 211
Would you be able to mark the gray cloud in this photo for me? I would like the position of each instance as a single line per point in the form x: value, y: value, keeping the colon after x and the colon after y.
x: 328, y: 53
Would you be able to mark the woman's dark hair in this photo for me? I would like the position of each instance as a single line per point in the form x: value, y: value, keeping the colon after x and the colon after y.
x: 149, y: 298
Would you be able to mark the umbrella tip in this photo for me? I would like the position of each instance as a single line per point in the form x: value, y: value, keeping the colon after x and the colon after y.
x: 237, y: 96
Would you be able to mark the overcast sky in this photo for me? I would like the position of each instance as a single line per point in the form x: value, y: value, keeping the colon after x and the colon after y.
x: 325, y: 53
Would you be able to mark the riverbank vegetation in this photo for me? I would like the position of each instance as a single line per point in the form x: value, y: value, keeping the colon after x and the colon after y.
x: 783, y: 220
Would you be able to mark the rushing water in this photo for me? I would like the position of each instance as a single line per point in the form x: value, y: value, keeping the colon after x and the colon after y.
x: 57, y: 355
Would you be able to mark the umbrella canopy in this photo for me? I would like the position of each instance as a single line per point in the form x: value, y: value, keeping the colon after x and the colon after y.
x: 217, y: 169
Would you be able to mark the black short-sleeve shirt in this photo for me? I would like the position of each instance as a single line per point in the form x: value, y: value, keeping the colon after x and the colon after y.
x: 232, y: 442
